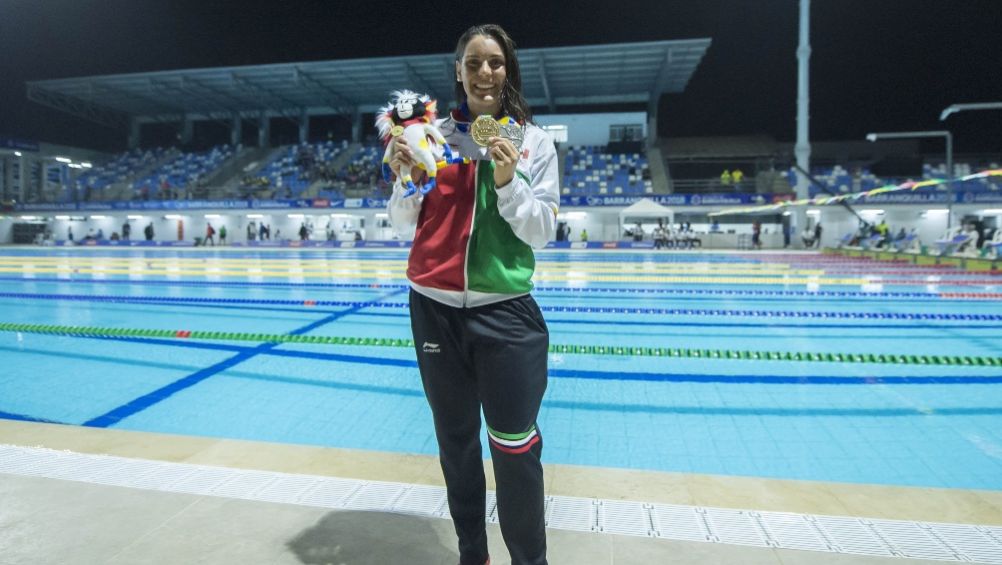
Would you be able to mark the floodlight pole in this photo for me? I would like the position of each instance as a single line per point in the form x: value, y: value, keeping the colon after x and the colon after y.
x: 953, y: 109
x: 949, y: 156
x: 802, y: 149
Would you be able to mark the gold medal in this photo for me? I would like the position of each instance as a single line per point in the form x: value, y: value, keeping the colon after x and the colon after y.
x: 483, y: 129
x: 397, y: 131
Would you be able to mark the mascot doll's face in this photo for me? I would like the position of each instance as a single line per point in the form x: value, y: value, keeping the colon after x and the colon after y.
x: 407, y: 108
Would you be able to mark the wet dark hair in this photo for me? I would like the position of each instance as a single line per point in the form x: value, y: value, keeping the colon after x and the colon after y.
x: 512, y: 102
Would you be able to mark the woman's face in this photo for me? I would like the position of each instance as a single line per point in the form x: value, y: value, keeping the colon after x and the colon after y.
x: 482, y: 72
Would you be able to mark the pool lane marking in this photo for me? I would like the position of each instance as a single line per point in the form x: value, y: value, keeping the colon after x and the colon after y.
x: 24, y: 418
x: 688, y: 292
x: 639, y: 323
x: 699, y: 312
x: 697, y: 378
x: 542, y: 275
x: 613, y: 350
x: 140, y: 404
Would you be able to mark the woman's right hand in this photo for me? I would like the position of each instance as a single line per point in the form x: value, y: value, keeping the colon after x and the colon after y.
x: 402, y: 155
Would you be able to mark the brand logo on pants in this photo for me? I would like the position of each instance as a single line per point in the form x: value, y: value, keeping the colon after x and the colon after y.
x: 431, y: 348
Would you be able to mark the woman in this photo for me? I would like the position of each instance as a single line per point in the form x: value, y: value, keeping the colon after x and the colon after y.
x: 480, y: 338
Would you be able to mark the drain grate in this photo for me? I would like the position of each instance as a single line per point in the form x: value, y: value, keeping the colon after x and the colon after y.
x: 838, y: 534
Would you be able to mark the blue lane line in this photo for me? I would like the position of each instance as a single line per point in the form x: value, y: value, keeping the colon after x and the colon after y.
x: 143, y: 402
x: 23, y: 418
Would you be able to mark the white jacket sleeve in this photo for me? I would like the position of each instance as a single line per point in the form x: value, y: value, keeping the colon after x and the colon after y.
x: 530, y: 208
x: 403, y: 211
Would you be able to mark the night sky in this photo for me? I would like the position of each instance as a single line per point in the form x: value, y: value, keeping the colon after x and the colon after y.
x: 877, y: 65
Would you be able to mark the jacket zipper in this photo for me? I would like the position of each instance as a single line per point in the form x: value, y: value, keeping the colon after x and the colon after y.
x: 473, y: 221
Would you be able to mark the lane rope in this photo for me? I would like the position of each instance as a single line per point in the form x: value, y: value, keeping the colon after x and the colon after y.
x: 709, y: 312
x: 616, y: 350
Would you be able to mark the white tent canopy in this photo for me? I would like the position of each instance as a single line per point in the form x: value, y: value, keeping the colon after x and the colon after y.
x: 643, y: 209
x: 646, y: 208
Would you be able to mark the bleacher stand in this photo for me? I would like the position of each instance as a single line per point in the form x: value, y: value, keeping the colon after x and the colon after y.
x: 590, y: 170
x: 838, y: 180
x: 178, y: 177
x: 92, y: 181
x: 362, y: 174
x: 293, y: 170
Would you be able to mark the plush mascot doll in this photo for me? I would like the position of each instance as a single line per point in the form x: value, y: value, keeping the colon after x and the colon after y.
x: 411, y: 115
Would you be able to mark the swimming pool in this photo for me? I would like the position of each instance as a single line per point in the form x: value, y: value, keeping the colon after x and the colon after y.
x: 795, y: 366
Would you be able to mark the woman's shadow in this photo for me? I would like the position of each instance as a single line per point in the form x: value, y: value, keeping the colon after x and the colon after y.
x: 375, y: 538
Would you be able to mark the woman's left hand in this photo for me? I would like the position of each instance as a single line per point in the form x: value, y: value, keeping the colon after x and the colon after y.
x: 505, y: 158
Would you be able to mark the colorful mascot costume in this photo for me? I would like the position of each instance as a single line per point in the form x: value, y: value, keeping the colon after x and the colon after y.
x: 411, y: 115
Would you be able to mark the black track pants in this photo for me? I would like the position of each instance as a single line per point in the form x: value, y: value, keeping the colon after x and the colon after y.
x: 492, y: 357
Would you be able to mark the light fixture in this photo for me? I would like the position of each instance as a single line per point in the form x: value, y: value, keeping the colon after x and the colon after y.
x: 174, y: 217
x: 575, y: 215
x: 29, y: 217
x: 937, y: 211
x: 814, y: 212
x: 212, y: 216
x: 992, y: 211
x: 64, y: 160
x: 17, y: 153
x: 295, y: 216
x: 98, y: 217
x: 62, y: 217
x: 133, y: 217
x: 255, y: 215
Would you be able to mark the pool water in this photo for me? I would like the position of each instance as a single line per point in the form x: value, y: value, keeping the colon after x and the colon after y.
x: 685, y: 395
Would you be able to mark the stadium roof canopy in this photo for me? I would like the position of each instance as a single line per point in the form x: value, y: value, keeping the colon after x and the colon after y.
x: 552, y: 77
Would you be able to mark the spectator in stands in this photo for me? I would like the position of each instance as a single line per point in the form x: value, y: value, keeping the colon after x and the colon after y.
x: 715, y: 226
x: 460, y: 377
x: 261, y: 232
x: 100, y: 234
x: 786, y: 235
x: 210, y: 234
x: 725, y: 178
x: 638, y: 232
x: 304, y: 234
x: 69, y: 233
x: 737, y: 176
x: 126, y: 230
x: 817, y: 234
x: 222, y: 234
x: 584, y: 234
x: 756, y: 234
x: 148, y: 231
x: 251, y: 230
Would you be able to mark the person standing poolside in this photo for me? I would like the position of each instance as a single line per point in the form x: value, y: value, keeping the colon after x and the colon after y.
x: 481, y: 339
